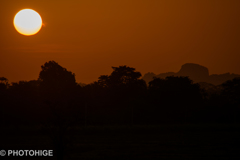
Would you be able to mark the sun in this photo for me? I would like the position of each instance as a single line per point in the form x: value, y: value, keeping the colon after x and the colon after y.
x: 27, y: 22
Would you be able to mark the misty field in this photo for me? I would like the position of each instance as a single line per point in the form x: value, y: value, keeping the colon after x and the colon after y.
x: 135, y: 142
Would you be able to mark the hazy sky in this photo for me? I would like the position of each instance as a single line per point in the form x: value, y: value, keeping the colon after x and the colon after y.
x: 89, y: 36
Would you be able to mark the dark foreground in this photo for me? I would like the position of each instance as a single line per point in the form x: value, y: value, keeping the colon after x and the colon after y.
x: 137, y: 142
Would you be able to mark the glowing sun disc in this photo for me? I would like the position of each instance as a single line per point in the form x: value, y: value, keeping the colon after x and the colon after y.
x: 27, y: 22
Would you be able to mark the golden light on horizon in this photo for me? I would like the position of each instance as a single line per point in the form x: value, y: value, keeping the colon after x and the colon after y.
x: 27, y: 22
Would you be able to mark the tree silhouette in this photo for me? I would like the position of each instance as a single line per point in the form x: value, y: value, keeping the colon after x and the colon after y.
x: 53, y: 76
x: 25, y: 102
x: 231, y: 95
x: 58, y: 93
x: 174, y: 98
x: 3, y: 83
x: 231, y: 90
x: 121, y: 75
x: 123, y: 89
x: 3, y: 99
x: 116, y: 96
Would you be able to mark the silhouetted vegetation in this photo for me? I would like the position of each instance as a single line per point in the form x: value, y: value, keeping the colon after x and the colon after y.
x: 56, y: 103
x: 119, y: 98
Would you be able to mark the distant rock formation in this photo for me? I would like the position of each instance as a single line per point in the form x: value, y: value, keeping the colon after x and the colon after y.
x: 195, y: 72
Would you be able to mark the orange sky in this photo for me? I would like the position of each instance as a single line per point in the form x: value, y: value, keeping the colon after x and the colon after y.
x: 89, y: 36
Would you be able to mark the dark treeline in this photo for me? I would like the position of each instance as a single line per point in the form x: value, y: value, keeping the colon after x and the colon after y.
x: 121, y: 98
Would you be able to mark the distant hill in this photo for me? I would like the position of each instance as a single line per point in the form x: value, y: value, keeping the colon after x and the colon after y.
x: 195, y: 72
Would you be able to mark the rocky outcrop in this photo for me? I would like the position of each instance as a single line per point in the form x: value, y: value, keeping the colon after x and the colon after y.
x: 195, y: 72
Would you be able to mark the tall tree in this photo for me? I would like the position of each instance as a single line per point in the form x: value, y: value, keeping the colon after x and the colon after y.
x: 58, y: 93
x: 53, y: 76
x: 123, y: 90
